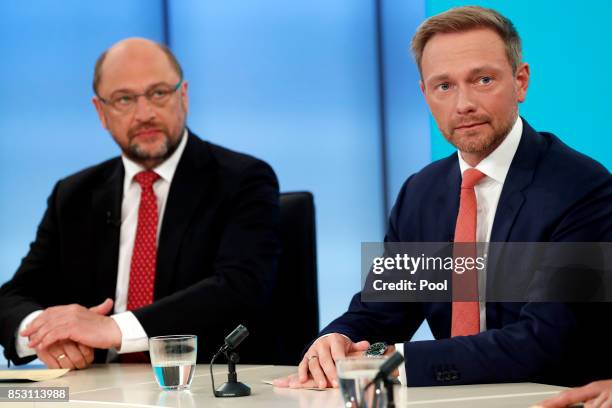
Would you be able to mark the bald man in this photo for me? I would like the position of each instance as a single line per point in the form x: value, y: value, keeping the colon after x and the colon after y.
x: 175, y: 236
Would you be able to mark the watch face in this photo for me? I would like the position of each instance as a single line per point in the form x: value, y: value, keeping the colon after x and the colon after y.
x: 376, y: 349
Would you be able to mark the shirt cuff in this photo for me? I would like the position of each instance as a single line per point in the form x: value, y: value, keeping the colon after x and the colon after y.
x: 21, y: 342
x: 329, y: 334
x: 133, y: 336
x: 402, y: 368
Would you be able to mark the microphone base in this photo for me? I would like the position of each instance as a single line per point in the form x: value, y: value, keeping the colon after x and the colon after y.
x: 233, y: 389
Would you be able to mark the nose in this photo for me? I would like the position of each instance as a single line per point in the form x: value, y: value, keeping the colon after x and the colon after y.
x: 465, y: 101
x: 143, y: 111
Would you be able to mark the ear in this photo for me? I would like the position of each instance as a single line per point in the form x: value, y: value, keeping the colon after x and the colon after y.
x: 185, y: 95
x: 522, y: 81
x: 98, y: 105
x: 422, y: 86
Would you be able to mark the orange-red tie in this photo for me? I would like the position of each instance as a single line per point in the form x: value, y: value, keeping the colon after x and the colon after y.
x: 466, y: 313
x: 144, y: 255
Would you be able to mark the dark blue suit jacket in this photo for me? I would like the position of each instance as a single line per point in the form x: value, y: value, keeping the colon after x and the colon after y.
x: 551, y: 193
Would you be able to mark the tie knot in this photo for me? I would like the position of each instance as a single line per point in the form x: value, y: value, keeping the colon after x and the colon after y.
x: 146, y: 178
x: 471, y: 177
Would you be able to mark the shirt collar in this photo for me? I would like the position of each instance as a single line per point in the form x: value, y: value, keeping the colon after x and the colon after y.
x: 497, y: 164
x: 165, y: 170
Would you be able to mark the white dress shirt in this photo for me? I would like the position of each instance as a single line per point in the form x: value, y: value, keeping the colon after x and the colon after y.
x: 133, y: 336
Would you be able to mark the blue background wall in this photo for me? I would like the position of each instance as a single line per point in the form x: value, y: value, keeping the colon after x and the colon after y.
x: 326, y: 92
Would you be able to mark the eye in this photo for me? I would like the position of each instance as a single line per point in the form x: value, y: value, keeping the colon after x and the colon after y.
x: 443, y: 86
x: 124, y: 99
x: 159, y: 93
x: 485, y: 80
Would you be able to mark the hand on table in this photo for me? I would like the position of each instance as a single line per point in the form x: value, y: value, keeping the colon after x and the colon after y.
x: 66, y: 354
x: 89, y: 327
x: 597, y: 394
x: 318, y: 367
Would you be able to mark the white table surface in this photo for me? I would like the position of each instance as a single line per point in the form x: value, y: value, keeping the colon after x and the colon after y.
x: 133, y: 385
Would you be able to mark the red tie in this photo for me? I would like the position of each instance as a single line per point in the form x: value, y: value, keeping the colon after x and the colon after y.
x: 466, y: 313
x: 144, y: 255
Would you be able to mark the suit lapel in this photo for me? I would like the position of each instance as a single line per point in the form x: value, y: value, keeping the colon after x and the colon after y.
x: 511, y: 200
x: 106, y: 221
x: 448, y: 202
x: 520, y: 175
x: 192, y: 178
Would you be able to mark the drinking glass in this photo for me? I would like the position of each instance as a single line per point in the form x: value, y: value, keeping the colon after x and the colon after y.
x: 173, y: 359
x: 354, y: 375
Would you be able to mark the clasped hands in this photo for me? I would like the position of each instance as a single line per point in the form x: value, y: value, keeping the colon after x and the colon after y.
x: 65, y: 336
x: 318, y: 367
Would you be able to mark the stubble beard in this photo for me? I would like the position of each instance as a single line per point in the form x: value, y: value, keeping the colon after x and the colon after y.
x: 483, y: 145
x: 137, y: 152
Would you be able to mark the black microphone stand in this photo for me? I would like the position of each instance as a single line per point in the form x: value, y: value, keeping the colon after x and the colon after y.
x: 388, y: 383
x: 232, y: 388
x: 391, y: 363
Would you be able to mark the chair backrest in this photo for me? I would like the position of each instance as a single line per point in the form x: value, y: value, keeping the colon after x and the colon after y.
x: 295, y: 297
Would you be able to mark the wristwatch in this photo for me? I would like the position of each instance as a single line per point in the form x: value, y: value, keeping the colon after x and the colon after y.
x: 376, y: 349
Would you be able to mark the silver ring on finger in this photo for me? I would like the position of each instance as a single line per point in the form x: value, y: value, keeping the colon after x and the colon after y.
x: 61, y: 356
x: 311, y: 357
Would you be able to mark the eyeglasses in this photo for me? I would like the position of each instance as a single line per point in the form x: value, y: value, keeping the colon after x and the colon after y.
x: 157, y: 95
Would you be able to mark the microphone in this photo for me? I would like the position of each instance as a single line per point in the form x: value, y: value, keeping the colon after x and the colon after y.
x: 383, y: 374
x: 388, y: 366
x: 232, y: 388
x: 110, y: 220
x: 234, y: 339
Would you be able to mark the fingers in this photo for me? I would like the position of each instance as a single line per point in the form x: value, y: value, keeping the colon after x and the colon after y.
x: 303, y: 366
x: 321, y: 359
x: 608, y: 402
x: 55, y: 356
x: 48, y: 359
x: 40, y: 333
x: 602, y: 400
x: 317, y: 373
x: 359, y: 346
x: 74, y: 354
x: 66, y: 354
x: 103, y: 308
x: 310, y: 383
x: 570, y: 397
x: 87, y: 352
x: 337, y: 349
x: 51, y: 317
x: 55, y: 335
x: 294, y: 382
x: 304, y: 369
x: 35, y: 324
x: 283, y: 382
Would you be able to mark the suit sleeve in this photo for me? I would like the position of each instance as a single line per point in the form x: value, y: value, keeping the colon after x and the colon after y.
x: 380, y: 321
x: 244, y: 269
x: 545, y: 339
x: 32, y: 286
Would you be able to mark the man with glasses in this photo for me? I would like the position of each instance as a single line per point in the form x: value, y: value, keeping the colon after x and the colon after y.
x: 176, y: 236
